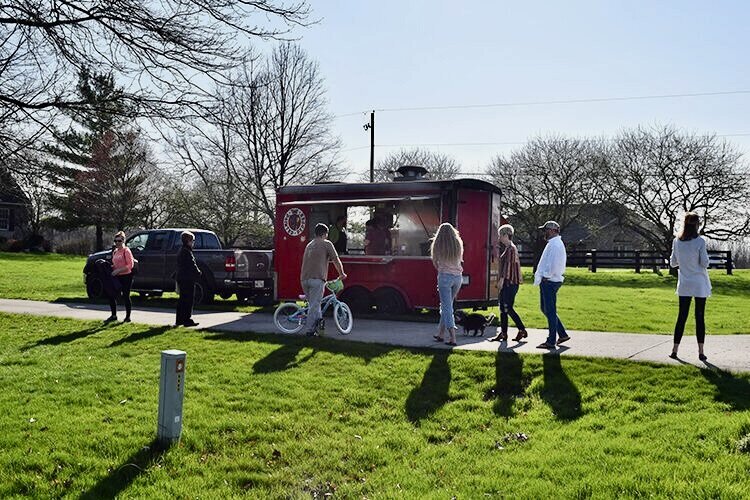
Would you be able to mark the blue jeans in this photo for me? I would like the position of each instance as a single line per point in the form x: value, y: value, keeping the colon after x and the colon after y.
x: 314, y: 289
x: 448, y: 287
x: 548, y: 302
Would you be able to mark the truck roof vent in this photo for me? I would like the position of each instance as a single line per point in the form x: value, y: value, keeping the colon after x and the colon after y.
x: 411, y: 173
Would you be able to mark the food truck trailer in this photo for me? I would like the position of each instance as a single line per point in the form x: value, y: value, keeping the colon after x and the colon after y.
x: 396, y: 274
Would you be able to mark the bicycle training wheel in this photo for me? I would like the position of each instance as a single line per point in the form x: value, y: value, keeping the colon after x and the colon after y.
x: 289, y: 317
x: 343, y: 318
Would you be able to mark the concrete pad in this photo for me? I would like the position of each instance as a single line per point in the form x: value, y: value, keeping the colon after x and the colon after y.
x: 726, y: 352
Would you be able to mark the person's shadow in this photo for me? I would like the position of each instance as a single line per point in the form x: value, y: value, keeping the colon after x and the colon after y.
x: 509, y: 384
x: 730, y: 389
x: 68, y: 337
x: 559, y: 391
x: 142, y: 335
x: 432, y: 392
x: 281, y: 359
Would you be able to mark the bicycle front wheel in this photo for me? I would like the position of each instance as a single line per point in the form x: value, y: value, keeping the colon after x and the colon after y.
x: 289, y: 317
x: 343, y: 318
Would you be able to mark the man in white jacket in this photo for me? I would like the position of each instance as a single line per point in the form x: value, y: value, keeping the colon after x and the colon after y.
x: 549, y: 277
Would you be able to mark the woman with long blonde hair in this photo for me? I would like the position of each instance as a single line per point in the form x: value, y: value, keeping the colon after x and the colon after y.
x: 447, y: 251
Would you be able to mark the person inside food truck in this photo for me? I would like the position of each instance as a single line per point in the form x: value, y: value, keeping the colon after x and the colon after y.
x: 337, y: 234
x: 374, y: 240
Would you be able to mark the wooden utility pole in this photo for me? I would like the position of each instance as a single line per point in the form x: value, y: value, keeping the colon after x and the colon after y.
x: 372, y: 146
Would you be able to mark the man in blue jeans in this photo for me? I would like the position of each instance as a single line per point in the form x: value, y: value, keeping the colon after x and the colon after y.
x: 549, y: 276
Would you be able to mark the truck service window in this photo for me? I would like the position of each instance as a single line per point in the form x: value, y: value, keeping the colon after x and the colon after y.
x: 401, y: 227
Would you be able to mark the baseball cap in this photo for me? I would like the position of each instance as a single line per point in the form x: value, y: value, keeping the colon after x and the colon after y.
x: 550, y: 224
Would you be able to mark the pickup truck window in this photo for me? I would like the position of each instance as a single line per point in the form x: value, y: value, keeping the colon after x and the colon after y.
x: 203, y: 241
x: 210, y: 241
x: 157, y: 241
x: 137, y: 242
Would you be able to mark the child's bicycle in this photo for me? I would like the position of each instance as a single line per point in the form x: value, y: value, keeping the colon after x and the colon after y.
x: 291, y: 317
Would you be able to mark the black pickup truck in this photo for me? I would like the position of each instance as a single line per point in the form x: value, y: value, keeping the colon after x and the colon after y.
x: 246, y: 273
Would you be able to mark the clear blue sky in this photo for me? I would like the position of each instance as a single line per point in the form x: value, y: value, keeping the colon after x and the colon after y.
x: 396, y: 54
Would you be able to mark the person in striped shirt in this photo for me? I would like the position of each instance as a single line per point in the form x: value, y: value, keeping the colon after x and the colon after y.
x: 508, y: 280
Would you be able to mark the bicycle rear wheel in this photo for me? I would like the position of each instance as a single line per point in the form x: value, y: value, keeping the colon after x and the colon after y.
x: 289, y: 317
x: 343, y: 318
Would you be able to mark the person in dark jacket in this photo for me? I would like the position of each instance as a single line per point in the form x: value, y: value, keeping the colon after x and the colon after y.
x: 187, y: 274
x: 110, y: 285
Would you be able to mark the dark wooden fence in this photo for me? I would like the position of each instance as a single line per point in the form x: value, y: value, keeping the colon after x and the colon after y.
x: 630, y: 259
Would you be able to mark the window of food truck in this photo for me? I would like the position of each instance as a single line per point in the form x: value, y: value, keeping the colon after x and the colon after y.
x: 400, y: 227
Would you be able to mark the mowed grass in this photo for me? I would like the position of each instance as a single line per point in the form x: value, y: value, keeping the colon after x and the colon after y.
x: 272, y: 416
x: 617, y: 301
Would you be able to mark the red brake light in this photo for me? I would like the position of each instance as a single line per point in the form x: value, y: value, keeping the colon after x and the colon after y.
x: 230, y: 263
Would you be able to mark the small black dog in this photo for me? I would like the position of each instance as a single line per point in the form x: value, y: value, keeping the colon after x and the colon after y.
x: 473, y: 321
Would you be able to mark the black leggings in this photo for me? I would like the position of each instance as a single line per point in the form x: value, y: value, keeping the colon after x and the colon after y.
x: 682, y: 316
x: 125, y: 282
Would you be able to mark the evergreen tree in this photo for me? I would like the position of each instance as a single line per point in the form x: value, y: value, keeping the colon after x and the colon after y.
x: 99, y: 164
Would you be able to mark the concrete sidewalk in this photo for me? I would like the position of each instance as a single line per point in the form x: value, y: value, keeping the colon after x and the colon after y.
x: 727, y: 352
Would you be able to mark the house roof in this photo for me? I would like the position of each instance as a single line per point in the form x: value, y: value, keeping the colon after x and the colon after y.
x: 10, y: 191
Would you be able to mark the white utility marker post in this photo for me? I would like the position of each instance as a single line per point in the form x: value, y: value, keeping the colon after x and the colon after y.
x: 171, y: 393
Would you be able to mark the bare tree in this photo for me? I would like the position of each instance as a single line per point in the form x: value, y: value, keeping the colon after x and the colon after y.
x: 211, y: 195
x: 164, y: 44
x: 162, y: 51
x: 660, y: 173
x: 157, y: 206
x: 278, y: 112
x: 549, y: 178
x: 438, y: 165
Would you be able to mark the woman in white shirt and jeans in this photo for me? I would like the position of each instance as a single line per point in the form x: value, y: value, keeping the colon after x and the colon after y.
x: 690, y: 255
x: 447, y: 252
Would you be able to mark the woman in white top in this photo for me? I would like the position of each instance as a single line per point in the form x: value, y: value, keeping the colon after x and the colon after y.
x: 690, y: 255
x: 447, y: 252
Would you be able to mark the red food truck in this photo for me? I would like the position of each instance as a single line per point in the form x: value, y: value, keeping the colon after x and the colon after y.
x: 389, y: 226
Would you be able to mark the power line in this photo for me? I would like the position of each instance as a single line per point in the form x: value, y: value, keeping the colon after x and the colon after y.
x: 553, y: 102
x: 438, y: 144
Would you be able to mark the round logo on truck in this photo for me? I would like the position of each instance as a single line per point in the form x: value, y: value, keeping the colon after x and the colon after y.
x: 294, y: 222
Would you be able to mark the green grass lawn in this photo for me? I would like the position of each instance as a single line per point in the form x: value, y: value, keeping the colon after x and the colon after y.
x: 272, y: 416
x: 619, y: 301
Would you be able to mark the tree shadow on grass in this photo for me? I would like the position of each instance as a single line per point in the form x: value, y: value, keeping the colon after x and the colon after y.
x: 68, y: 337
x: 281, y: 359
x: 559, y: 391
x: 145, y: 334
x: 124, y: 475
x: 731, y: 389
x: 432, y: 392
x: 509, y: 383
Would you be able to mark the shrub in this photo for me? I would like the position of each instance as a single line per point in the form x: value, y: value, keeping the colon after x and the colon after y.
x: 14, y: 245
x: 74, y: 247
x: 743, y: 445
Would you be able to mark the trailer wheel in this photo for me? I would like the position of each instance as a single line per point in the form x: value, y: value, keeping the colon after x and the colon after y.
x: 389, y: 301
x: 358, y: 299
x: 94, y: 288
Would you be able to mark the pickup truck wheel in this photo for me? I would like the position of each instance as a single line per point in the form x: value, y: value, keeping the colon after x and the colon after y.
x: 203, y: 294
x: 94, y: 288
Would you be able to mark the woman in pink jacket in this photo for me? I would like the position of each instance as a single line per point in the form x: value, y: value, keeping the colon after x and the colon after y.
x: 122, y: 270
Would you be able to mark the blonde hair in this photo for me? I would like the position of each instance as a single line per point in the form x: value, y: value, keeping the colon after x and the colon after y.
x: 506, y: 229
x: 447, y: 245
x: 120, y: 233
